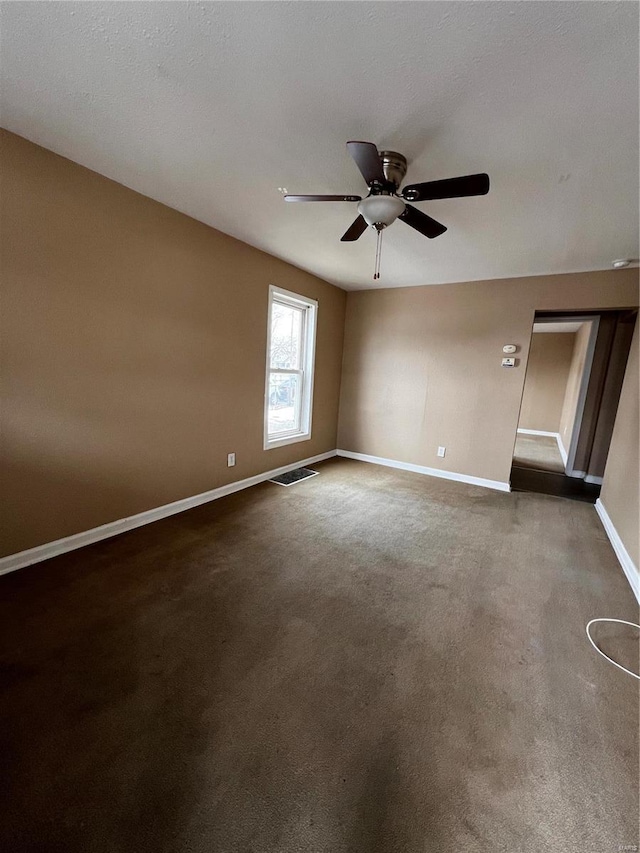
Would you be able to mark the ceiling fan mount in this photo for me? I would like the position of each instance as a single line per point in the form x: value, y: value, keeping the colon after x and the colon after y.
x: 394, y: 168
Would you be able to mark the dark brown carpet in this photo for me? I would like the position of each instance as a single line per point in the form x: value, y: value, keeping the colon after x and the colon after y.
x: 371, y: 661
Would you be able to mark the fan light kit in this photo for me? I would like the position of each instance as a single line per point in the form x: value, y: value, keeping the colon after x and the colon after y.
x: 384, y: 171
x: 379, y: 211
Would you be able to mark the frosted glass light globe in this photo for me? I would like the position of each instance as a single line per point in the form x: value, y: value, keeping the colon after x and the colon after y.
x: 381, y: 209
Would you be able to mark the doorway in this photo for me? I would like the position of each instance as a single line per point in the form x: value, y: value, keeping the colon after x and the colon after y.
x: 572, y: 387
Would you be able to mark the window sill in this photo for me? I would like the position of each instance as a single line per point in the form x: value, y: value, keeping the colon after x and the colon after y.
x: 270, y: 443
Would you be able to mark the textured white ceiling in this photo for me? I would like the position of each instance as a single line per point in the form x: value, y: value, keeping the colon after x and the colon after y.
x: 210, y: 107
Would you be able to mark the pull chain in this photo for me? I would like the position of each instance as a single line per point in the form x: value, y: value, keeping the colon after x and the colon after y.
x: 376, y: 272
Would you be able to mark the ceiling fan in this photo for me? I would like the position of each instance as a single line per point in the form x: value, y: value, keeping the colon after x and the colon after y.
x: 384, y: 171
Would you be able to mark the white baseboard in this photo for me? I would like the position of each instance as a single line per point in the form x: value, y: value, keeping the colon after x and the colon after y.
x: 556, y: 435
x: 562, y: 450
x: 70, y: 543
x: 431, y: 472
x: 591, y: 478
x: 628, y: 566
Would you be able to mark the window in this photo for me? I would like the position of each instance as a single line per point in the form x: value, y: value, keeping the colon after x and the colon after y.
x: 291, y: 338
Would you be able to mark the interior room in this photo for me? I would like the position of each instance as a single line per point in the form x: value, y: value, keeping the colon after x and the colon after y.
x: 316, y: 319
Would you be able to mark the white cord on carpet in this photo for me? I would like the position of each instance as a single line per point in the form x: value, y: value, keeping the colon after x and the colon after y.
x: 622, y: 622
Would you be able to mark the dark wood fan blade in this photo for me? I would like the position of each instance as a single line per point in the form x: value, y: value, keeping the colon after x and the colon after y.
x: 355, y: 230
x: 322, y: 198
x: 421, y: 222
x: 367, y: 160
x: 449, y: 188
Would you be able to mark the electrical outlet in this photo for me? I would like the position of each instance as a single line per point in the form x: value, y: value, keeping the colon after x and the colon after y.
x: 441, y: 451
x: 231, y: 460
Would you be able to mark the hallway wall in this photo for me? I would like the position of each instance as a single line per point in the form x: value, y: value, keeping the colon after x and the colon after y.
x: 569, y: 406
x: 546, y: 380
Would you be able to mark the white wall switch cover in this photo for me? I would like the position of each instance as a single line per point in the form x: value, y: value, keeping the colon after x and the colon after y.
x: 441, y: 451
x: 231, y: 460
x: 508, y: 362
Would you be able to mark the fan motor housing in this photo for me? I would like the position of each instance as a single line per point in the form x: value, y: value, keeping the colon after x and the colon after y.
x: 394, y: 166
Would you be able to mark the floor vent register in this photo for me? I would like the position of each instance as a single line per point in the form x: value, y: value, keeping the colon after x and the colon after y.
x: 293, y: 477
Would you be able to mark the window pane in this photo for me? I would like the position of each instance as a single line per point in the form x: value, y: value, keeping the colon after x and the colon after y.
x: 284, y: 403
x: 286, y: 336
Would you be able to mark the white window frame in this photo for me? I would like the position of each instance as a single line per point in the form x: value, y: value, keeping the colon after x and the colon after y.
x: 306, y: 371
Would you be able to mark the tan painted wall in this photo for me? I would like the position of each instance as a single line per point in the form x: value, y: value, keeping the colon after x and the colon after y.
x: 422, y: 365
x: 546, y: 381
x: 621, y: 477
x: 133, y: 355
x: 574, y: 380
